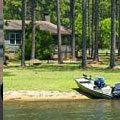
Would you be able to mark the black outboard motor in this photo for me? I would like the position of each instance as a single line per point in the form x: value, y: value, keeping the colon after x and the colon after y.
x: 116, y: 92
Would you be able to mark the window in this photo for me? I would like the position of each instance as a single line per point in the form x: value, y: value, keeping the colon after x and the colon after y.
x: 18, y: 39
x: 15, y: 38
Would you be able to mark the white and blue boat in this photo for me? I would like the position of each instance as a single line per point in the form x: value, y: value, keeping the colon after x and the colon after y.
x: 97, y: 88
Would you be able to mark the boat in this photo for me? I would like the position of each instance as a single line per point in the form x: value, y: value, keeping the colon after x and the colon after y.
x: 88, y: 85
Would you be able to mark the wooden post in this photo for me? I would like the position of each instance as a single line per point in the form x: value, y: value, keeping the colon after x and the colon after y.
x: 1, y: 40
x: 1, y: 57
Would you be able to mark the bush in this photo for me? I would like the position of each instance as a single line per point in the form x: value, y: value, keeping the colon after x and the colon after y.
x: 105, y: 33
x: 44, y: 44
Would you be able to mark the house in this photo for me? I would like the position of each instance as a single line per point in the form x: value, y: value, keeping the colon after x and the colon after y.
x: 13, y: 32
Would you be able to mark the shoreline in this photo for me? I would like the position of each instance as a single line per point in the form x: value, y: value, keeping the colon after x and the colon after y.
x: 27, y: 95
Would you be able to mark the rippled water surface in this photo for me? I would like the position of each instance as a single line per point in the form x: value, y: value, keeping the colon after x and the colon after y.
x: 69, y: 110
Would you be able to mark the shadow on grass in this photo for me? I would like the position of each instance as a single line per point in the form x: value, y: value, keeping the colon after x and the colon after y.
x: 8, y: 74
x: 104, y: 69
x: 64, y: 67
x: 50, y: 67
x: 11, y: 66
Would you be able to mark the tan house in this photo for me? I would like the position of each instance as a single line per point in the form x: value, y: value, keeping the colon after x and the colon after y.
x: 13, y: 31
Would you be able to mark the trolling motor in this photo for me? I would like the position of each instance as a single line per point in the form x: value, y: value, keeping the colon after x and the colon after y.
x: 87, y: 77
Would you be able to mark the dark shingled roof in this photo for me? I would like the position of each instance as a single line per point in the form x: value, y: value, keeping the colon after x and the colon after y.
x: 44, y: 25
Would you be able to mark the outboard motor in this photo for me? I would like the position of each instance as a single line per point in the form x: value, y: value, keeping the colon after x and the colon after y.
x: 116, y: 92
x: 99, y: 82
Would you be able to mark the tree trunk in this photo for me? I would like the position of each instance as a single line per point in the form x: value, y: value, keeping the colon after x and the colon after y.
x: 60, y: 60
x: 84, y: 51
x: 113, y: 29
x: 24, y: 2
x: 117, y: 19
x: 119, y: 32
x: 73, y: 28
x: 96, y: 57
x: 92, y: 28
x: 33, y: 29
x: 89, y: 27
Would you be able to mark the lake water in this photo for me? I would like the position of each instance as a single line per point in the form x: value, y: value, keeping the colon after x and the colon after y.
x: 69, y: 110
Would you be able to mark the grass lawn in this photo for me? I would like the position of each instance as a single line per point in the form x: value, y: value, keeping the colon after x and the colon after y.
x: 51, y: 77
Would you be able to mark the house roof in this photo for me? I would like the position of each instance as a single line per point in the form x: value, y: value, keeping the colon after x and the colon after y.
x: 43, y: 25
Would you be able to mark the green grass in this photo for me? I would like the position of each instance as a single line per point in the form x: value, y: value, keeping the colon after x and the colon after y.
x: 51, y: 77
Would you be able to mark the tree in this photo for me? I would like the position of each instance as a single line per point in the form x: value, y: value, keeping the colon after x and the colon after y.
x: 89, y: 27
x: 84, y: 51
x: 73, y: 27
x: 117, y: 19
x: 23, y: 32
x: 119, y: 32
x: 113, y: 29
x: 96, y: 57
x: 60, y: 60
x: 92, y: 28
x: 33, y: 29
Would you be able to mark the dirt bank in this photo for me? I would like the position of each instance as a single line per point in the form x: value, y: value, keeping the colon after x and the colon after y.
x: 42, y: 95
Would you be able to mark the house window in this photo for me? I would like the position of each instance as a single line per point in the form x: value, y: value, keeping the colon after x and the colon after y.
x: 15, y: 38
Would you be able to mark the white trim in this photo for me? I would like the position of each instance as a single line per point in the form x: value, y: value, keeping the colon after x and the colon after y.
x: 15, y: 38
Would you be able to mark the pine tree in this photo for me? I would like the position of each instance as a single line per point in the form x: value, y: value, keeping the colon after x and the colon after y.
x: 92, y: 28
x: 96, y: 56
x: 60, y: 60
x: 24, y: 2
x: 119, y: 32
x: 33, y: 29
x: 113, y: 29
x: 73, y: 27
x: 84, y: 51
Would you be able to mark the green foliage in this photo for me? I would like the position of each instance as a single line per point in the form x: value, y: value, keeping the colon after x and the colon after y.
x: 105, y: 33
x: 105, y: 9
x: 44, y: 44
x: 12, y: 9
x: 18, y: 54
